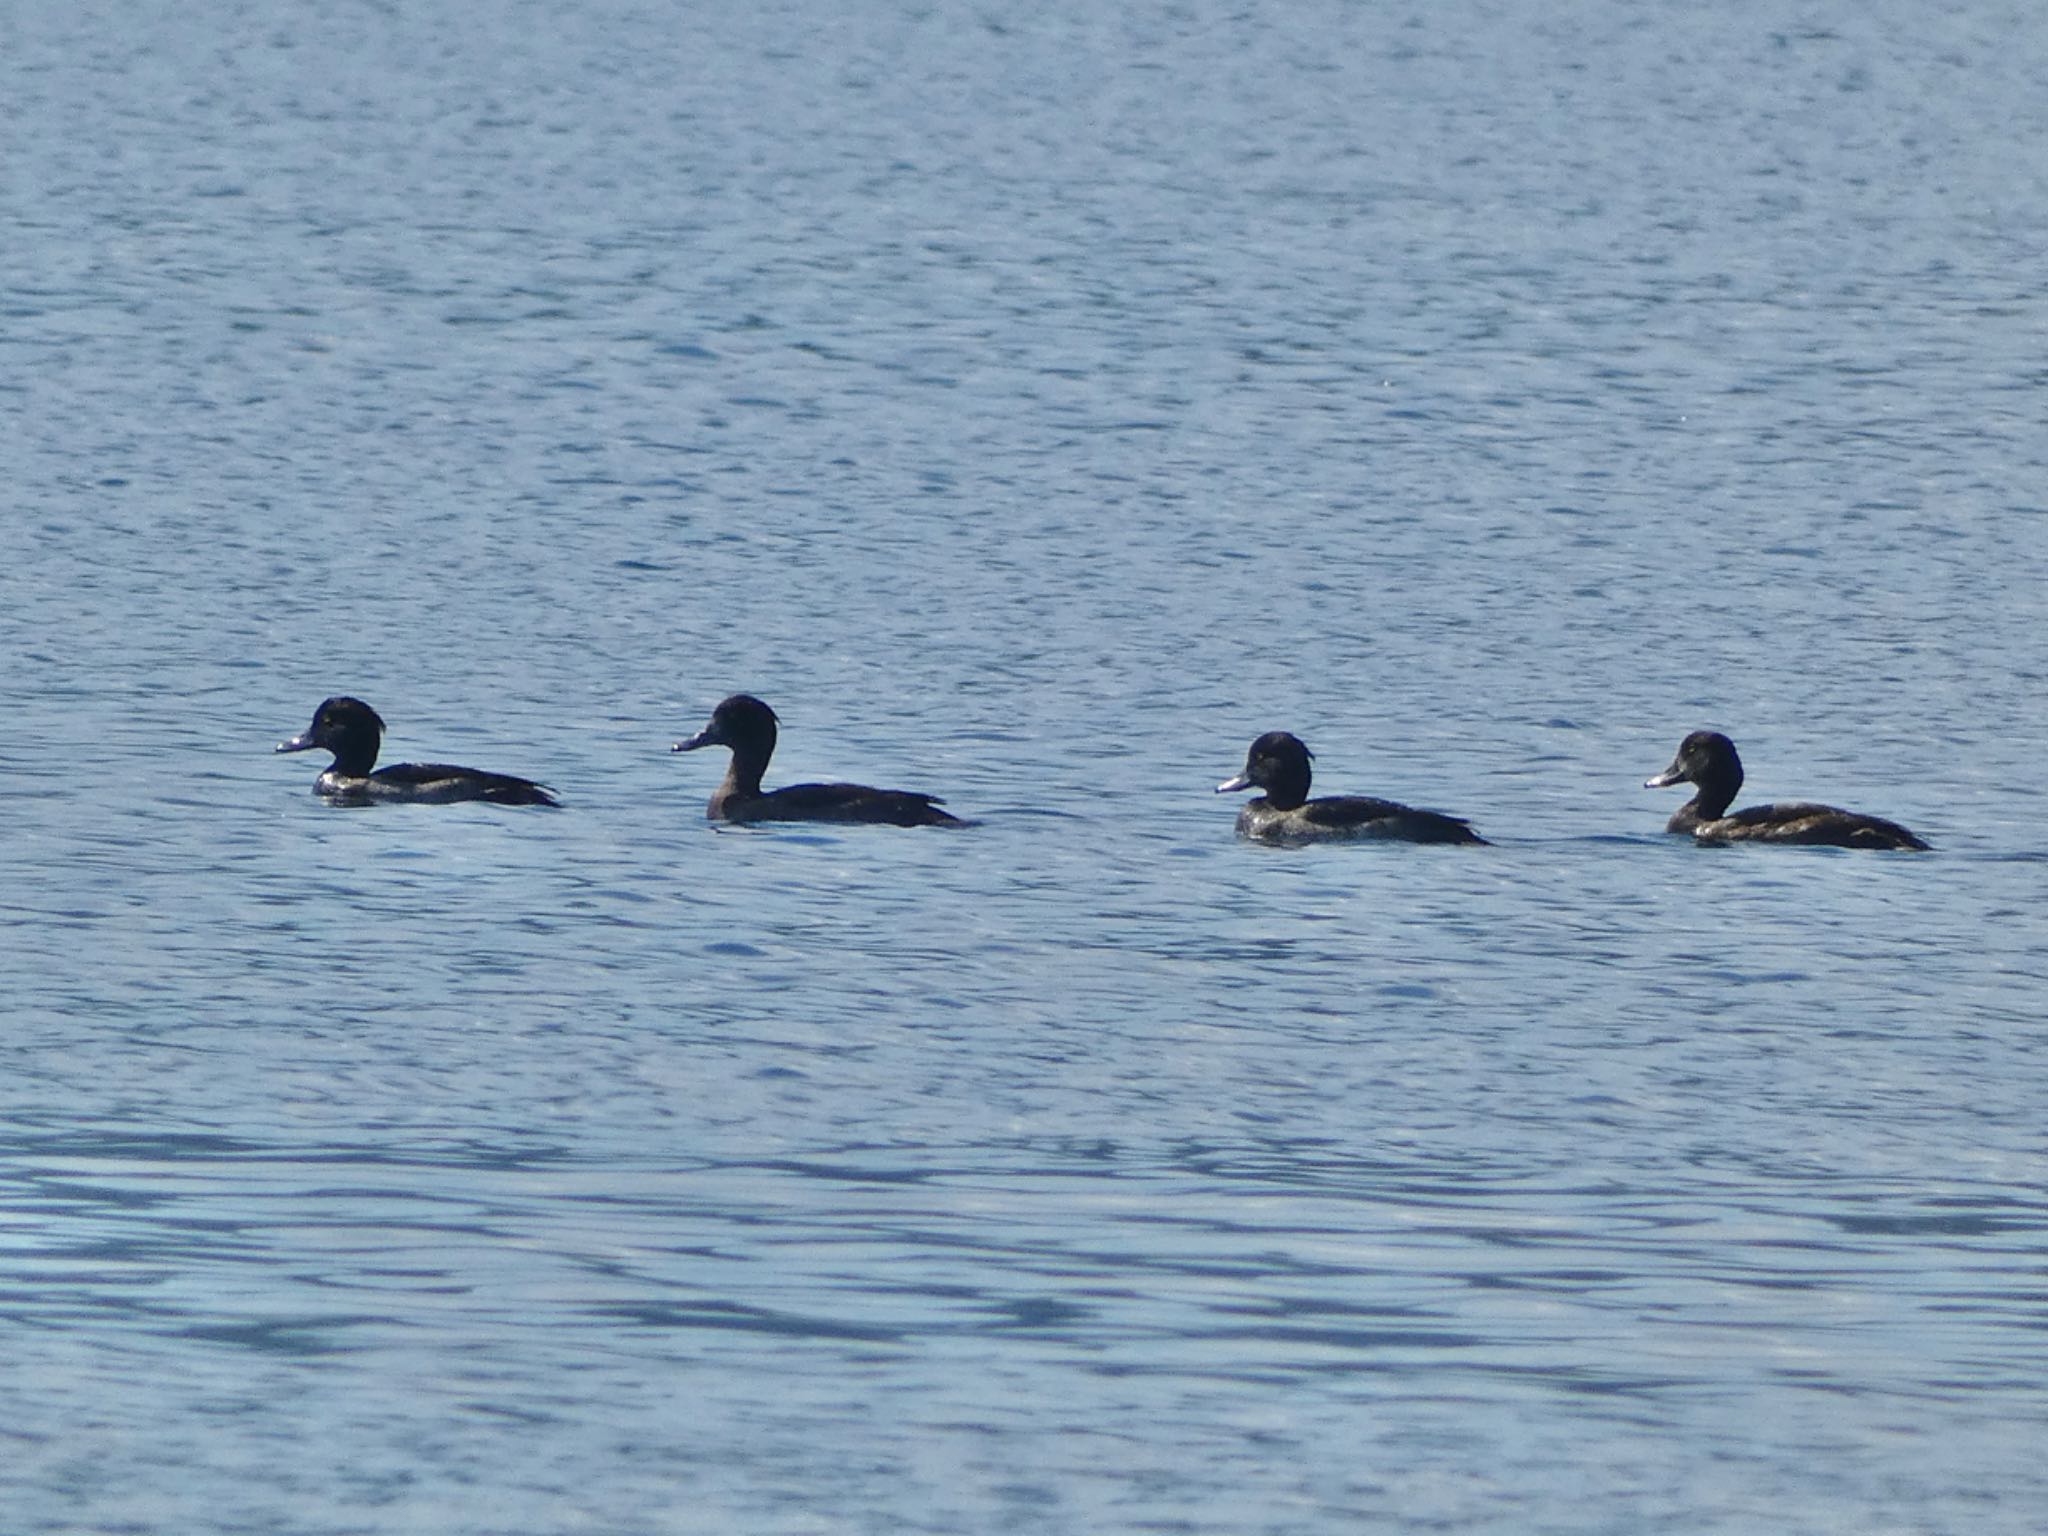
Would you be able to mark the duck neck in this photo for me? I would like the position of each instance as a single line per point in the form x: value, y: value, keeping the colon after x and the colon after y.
x: 1716, y: 794
x: 354, y: 757
x: 742, y: 776
x: 1288, y: 789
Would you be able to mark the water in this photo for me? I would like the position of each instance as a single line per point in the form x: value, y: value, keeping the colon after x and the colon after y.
x: 1033, y: 405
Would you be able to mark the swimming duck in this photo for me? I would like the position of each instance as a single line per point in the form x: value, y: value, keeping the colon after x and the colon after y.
x: 353, y: 731
x: 1707, y: 760
x: 747, y: 726
x: 1278, y: 763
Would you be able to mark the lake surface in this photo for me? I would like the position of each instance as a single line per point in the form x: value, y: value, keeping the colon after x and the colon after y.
x: 1034, y: 404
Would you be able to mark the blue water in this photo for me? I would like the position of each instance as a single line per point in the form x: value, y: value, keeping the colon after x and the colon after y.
x: 1034, y: 404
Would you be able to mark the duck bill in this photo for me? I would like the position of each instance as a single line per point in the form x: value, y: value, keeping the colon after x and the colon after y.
x: 304, y: 743
x: 1231, y: 786
x: 701, y: 739
x: 1675, y: 774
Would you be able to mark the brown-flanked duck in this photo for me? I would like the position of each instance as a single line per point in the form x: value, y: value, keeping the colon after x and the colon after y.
x: 1707, y: 761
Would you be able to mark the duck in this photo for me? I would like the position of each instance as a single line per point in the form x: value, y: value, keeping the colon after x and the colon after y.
x: 1278, y: 763
x: 747, y: 727
x: 352, y: 731
x: 1708, y: 761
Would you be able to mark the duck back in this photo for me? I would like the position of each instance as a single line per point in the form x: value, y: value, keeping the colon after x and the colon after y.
x: 841, y: 802
x: 1351, y: 818
x: 1813, y: 825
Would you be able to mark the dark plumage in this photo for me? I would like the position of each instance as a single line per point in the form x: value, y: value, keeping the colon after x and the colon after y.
x: 1278, y: 763
x: 353, y: 731
x: 747, y: 726
x: 1707, y: 760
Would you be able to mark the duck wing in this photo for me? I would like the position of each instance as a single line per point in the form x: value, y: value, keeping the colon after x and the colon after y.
x: 447, y: 784
x: 1812, y: 825
x: 850, y: 803
x: 1364, y: 816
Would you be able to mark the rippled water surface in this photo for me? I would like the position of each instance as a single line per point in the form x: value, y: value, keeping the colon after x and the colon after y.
x: 1034, y: 404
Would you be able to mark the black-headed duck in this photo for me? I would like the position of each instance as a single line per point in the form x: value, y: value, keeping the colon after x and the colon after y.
x: 353, y: 731
x: 1707, y: 760
x: 747, y: 726
x: 1278, y: 763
